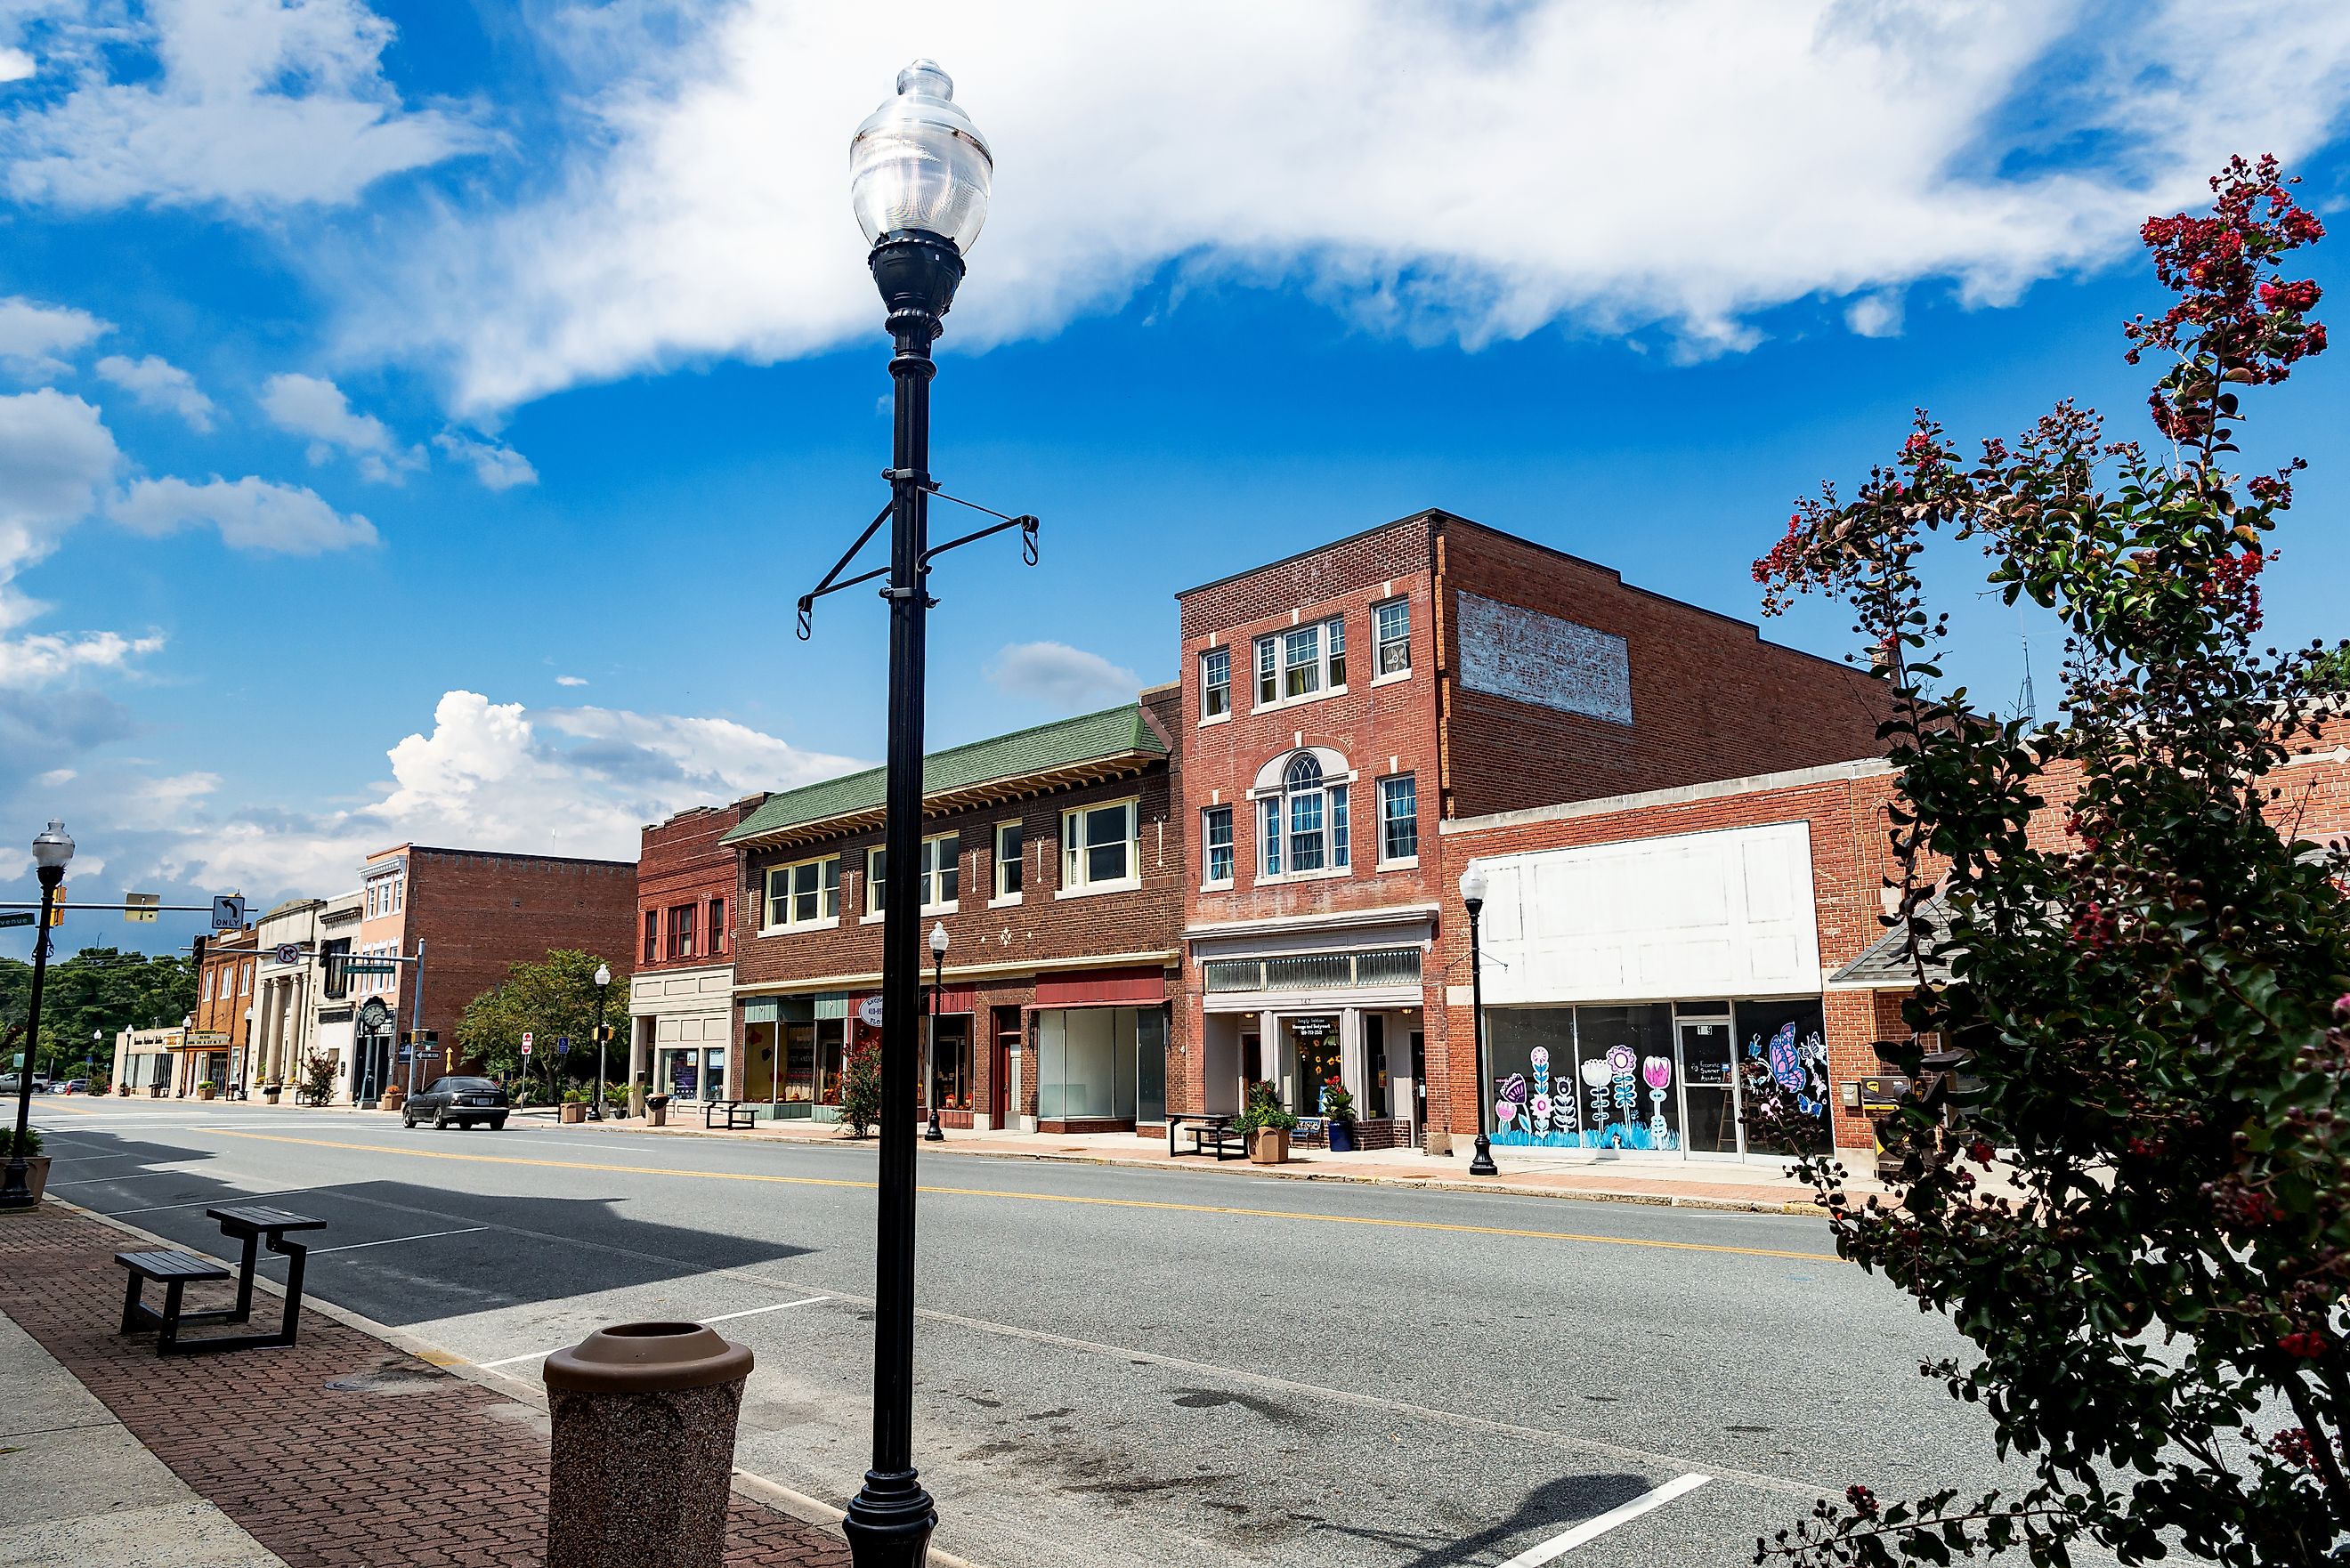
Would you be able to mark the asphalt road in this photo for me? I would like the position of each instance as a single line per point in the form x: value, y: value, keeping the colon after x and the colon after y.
x: 1128, y: 1367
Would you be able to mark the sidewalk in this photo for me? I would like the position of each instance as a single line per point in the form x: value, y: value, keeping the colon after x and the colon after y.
x: 338, y: 1450
x: 77, y: 1488
x: 1745, y: 1188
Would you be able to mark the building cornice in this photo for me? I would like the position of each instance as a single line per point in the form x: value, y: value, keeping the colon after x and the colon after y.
x: 1322, y: 920
x: 1718, y: 789
x: 1165, y: 957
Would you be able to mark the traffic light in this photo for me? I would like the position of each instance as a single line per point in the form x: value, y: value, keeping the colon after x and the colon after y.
x: 336, y: 981
x: 57, y: 908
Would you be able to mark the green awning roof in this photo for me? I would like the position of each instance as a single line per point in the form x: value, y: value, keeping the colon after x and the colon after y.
x: 1067, y: 744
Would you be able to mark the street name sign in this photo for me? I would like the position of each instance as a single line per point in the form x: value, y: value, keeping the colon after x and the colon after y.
x: 27, y: 918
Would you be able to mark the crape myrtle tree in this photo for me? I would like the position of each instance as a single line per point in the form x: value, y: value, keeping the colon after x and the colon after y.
x: 2115, y: 915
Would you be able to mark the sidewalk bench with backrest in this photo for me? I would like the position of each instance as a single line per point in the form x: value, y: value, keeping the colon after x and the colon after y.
x: 1209, y: 1135
x: 738, y: 1115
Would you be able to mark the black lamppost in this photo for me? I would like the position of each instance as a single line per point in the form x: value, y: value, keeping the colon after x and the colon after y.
x: 51, y: 849
x: 603, y: 988
x: 935, y: 1133
x: 1472, y: 895
x: 919, y: 178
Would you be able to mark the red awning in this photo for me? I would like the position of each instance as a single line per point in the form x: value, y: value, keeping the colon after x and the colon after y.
x: 1144, y: 985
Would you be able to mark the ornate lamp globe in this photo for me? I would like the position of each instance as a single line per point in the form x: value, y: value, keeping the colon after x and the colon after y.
x: 1472, y: 886
x: 919, y: 165
x: 603, y: 974
x: 52, y: 847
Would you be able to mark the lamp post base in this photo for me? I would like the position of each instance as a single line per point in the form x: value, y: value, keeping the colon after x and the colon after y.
x: 890, y: 1523
x: 934, y: 1133
x: 16, y: 1190
x: 1483, y: 1165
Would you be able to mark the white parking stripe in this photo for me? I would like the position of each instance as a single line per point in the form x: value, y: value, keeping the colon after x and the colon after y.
x: 1558, y: 1546
x: 721, y: 1317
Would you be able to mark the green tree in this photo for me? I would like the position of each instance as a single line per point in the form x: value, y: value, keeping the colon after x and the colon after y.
x: 860, y: 1089
x: 97, y: 991
x: 549, y: 1000
x: 2155, y: 1009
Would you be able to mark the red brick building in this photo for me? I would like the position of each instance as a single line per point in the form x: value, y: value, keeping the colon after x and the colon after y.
x: 1055, y: 859
x: 213, y: 1051
x: 474, y: 914
x: 680, y: 998
x: 1339, y: 706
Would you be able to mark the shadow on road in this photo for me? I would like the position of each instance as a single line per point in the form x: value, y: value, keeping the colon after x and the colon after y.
x: 1552, y: 1507
x: 442, y: 1253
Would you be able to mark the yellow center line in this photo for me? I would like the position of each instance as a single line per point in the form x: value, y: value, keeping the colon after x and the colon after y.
x: 1052, y: 1197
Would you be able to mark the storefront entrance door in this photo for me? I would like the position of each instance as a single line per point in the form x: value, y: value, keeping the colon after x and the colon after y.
x: 1708, y: 1088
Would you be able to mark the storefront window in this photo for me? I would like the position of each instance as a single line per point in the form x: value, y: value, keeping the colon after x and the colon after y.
x: 1585, y: 1077
x: 951, y: 1068
x: 1150, y: 1065
x: 1316, y: 1041
x: 1783, y: 1055
x: 1085, y: 1064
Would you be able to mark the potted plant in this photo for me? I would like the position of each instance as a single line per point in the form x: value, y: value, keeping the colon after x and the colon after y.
x: 575, y: 1105
x: 393, y: 1097
x: 1338, y: 1107
x: 269, y: 1093
x: 36, y: 1164
x: 1267, y: 1124
x: 656, y: 1109
x: 204, y: 1090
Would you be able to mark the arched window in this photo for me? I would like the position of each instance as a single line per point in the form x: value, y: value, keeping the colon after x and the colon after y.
x: 1304, y: 826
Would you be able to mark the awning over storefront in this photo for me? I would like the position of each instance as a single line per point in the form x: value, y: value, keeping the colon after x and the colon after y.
x: 1103, y: 988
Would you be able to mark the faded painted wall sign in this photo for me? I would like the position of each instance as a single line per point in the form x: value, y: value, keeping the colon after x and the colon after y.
x: 1529, y: 657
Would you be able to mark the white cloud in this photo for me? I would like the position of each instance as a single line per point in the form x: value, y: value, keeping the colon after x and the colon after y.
x: 16, y: 65
x: 1060, y: 675
x: 56, y: 453
x: 570, y: 681
x: 314, y: 407
x: 485, y: 775
x: 1474, y: 171
x: 157, y: 383
x: 1876, y: 315
x: 495, y: 464
x: 254, y: 103
x: 32, y: 336
x: 251, y: 514
x: 39, y: 659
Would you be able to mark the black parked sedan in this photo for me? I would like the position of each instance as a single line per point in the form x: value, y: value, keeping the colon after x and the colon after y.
x: 457, y: 1100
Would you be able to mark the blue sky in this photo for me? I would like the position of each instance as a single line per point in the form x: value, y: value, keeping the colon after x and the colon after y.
x: 417, y: 420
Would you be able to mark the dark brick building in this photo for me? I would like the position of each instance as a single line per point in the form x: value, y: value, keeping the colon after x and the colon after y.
x: 213, y: 1051
x: 1055, y: 858
x: 681, y: 999
x: 476, y: 913
x: 1340, y: 705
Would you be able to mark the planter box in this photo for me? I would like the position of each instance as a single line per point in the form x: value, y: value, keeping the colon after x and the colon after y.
x: 203, y: 1091
x: 36, y: 1174
x: 573, y: 1111
x: 154, y: 1091
x: 269, y: 1097
x: 1268, y: 1146
x: 393, y: 1098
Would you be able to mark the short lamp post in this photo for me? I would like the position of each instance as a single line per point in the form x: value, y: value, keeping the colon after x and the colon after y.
x: 935, y: 1133
x: 603, y: 990
x: 52, y: 847
x: 919, y: 178
x: 89, y: 1063
x: 1472, y: 898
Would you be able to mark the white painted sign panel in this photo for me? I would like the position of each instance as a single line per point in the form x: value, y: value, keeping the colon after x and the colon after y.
x: 1526, y: 656
x: 1695, y: 916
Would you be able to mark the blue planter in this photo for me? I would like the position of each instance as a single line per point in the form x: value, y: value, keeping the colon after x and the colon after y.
x: 1341, y: 1138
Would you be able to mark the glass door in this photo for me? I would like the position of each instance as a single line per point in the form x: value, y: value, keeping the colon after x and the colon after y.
x: 1708, y: 1087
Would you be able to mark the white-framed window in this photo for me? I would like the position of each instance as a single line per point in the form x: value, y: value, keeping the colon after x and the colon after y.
x: 1391, y: 638
x: 1009, y: 848
x: 1216, y: 839
x: 1215, y: 683
x: 1399, y: 818
x: 399, y: 894
x: 941, y: 873
x: 209, y: 972
x: 245, y: 986
x: 806, y: 893
x: 876, y: 868
x: 1302, y: 662
x: 1303, y: 829
x: 1100, y: 849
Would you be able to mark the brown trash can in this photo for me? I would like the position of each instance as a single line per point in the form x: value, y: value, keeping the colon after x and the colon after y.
x: 644, y: 1447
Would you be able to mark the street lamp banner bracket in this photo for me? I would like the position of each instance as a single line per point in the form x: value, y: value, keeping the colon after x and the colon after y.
x: 833, y: 582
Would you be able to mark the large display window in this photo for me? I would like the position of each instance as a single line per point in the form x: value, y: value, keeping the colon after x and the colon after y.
x: 1099, y: 1063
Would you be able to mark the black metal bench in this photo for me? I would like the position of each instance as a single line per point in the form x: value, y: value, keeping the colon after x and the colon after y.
x: 738, y: 1113
x: 256, y: 1226
x: 174, y: 1272
x: 1209, y: 1135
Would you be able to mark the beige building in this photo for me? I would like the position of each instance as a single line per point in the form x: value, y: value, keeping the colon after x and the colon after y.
x: 284, y: 1010
x: 143, y: 1058
x: 332, y: 1017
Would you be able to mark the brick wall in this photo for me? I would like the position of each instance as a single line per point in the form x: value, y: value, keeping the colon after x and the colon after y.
x: 680, y: 862
x: 1710, y: 698
x: 479, y: 913
x: 230, y: 957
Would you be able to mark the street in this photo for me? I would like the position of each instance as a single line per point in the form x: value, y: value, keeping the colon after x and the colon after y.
x: 1129, y: 1367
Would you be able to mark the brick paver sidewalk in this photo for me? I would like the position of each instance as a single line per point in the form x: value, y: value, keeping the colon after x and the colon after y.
x: 339, y: 1449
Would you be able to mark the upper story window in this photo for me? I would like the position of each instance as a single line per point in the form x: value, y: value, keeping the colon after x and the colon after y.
x: 806, y: 894
x: 1399, y: 818
x: 681, y: 932
x: 1216, y: 838
x: 1391, y: 635
x: 942, y: 872
x: 245, y: 986
x: 717, y: 926
x: 1009, y: 848
x: 1302, y: 662
x: 209, y: 972
x: 1099, y: 847
x: 1215, y: 683
x: 1302, y: 828
x: 652, y: 936
x: 877, y: 870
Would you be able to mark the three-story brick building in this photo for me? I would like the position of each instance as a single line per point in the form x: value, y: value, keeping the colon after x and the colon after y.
x: 681, y: 999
